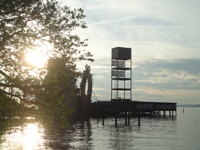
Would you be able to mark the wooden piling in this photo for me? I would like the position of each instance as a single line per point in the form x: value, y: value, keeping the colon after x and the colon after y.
x: 115, y: 120
x: 164, y: 113
x: 125, y: 118
x: 139, y: 118
x: 103, y: 119
x: 129, y: 118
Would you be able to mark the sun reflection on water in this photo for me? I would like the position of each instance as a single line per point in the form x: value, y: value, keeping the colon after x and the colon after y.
x: 27, y: 137
x: 31, y: 137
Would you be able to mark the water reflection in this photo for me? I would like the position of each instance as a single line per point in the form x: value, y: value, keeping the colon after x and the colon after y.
x: 26, y: 137
x: 76, y: 137
x: 32, y: 136
x: 91, y: 134
x: 121, y: 137
x: 79, y: 136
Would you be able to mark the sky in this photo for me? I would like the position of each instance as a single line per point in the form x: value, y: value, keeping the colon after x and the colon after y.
x: 164, y: 36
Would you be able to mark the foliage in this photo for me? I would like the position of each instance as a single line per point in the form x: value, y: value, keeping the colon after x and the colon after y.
x: 58, y: 92
x: 8, y: 107
x: 28, y: 24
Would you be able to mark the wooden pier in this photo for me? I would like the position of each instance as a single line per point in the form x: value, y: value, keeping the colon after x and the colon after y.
x: 129, y: 109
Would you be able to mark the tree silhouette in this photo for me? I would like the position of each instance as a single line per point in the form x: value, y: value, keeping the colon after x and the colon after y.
x: 28, y: 24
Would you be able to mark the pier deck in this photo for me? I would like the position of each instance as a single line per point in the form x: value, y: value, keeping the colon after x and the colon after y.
x: 127, y: 109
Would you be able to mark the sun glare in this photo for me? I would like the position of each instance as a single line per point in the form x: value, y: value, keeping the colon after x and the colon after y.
x: 31, y: 137
x: 36, y: 58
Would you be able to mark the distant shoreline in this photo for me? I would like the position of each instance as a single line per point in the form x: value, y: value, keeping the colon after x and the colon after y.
x: 188, y: 105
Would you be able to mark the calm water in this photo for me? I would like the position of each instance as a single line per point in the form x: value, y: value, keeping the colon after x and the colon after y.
x: 154, y: 134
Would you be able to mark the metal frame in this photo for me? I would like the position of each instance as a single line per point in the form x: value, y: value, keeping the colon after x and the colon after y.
x: 118, y: 75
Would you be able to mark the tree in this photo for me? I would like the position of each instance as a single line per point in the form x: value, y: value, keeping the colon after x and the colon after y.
x: 8, y: 107
x: 57, y: 94
x: 28, y: 24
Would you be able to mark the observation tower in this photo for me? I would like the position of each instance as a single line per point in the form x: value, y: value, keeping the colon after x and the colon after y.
x: 121, y: 74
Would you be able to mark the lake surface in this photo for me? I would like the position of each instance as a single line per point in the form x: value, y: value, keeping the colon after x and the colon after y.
x: 183, y: 133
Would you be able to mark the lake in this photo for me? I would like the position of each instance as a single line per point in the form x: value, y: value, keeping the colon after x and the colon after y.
x: 182, y: 133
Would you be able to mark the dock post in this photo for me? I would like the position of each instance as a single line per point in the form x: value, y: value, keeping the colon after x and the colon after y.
x: 164, y: 113
x: 139, y: 118
x: 116, y: 120
x: 125, y: 118
x: 170, y: 113
x: 129, y: 118
x: 103, y: 119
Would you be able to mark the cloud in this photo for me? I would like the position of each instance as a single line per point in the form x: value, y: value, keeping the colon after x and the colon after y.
x: 182, y: 74
x: 159, y: 29
x: 155, y: 80
x: 166, y: 80
x: 186, y: 65
x: 164, y: 37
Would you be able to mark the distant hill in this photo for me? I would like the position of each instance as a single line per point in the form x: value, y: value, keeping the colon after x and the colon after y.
x: 188, y: 105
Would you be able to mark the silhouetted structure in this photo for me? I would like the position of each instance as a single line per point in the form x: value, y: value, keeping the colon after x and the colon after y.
x: 121, y: 104
x: 121, y: 74
x: 128, y: 109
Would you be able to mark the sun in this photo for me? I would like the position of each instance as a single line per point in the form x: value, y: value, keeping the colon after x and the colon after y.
x: 36, y: 58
